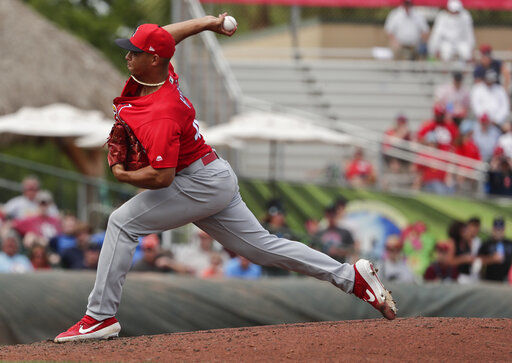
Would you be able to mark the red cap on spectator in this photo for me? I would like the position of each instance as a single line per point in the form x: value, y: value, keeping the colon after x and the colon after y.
x: 439, y: 109
x: 498, y: 151
x: 484, y: 119
x: 150, y: 38
x: 485, y: 49
x: 150, y: 241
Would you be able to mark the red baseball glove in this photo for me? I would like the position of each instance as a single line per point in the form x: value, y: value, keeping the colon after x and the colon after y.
x: 124, y: 148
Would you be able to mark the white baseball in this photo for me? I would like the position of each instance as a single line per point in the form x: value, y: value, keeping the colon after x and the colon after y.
x: 229, y: 23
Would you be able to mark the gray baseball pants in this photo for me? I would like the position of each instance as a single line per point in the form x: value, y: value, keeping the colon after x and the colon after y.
x: 207, y: 196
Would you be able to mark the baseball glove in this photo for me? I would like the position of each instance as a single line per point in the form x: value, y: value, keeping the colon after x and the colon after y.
x: 124, y: 148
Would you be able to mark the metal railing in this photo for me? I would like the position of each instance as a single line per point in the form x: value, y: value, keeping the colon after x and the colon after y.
x: 208, y: 80
x: 397, y: 148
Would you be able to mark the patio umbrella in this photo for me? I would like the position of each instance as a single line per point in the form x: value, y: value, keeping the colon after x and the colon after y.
x: 276, y: 128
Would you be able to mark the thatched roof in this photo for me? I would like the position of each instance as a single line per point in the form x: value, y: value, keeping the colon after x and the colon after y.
x: 42, y: 64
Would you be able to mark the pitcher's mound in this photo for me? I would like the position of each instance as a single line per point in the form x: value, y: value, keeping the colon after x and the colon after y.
x: 447, y: 339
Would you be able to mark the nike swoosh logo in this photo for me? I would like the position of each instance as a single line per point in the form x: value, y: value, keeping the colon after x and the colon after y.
x: 372, y: 297
x: 85, y: 331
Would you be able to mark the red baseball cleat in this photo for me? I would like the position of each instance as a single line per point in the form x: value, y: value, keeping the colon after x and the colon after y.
x: 90, y: 328
x: 368, y: 287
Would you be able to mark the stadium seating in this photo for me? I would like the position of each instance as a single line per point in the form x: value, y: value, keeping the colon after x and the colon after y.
x: 369, y: 93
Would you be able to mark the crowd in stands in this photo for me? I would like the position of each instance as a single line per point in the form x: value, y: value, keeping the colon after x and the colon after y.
x: 34, y: 235
x: 473, y: 122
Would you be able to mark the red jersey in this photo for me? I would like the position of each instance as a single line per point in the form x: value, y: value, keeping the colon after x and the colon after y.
x: 469, y: 150
x: 360, y: 168
x: 445, y: 132
x: 429, y: 174
x: 164, y: 123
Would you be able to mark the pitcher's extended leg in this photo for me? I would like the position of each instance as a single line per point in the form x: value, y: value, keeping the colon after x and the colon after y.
x: 237, y: 229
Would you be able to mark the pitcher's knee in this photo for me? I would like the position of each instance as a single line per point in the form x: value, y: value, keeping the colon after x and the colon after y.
x: 119, y: 221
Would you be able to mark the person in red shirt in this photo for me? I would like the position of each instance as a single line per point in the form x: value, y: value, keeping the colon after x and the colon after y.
x: 189, y: 183
x: 445, y: 131
x: 359, y: 172
x: 465, y: 146
x: 430, y: 179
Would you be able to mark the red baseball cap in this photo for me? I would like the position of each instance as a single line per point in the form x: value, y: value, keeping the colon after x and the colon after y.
x: 150, y: 38
x: 439, y: 109
x: 485, y: 49
x: 484, y: 119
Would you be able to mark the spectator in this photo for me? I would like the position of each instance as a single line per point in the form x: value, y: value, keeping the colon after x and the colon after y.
x: 407, y: 31
x: 92, y: 256
x: 335, y: 241
x: 496, y: 253
x: 473, y: 230
x: 25, y: 205
x: 42, y: 224
x: 74, y: 257
x: 491, y: 99
x: 443, y: 131
x: 487, y: 61
x: 401, y: 131
x: 214, y: 270
x: 197, y: 253
x: 465, y: 146
x: 510, y: 276
x: 39, y: 258
x: 359, y: 172
x: 505, y: 140
x: 275, y: 223
x: 241, y: 268
x: 454, y: 95
x: 394, y: 266
x: 442, y: 269
x: 452, y: 35
x: 500, y: 174
x: 431, y: 179
x: 463, y: 257
x: 486, y: 137
x: 11, y: 261
x: 67, y: 238
x: 156, y: 260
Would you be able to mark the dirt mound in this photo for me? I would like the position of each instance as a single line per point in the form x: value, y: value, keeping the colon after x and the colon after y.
x: 446, y: 339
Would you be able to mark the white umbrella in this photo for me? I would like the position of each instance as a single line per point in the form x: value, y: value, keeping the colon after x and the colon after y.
x: 275, y: 128
x: 265, y: 126
x: 56, y: 120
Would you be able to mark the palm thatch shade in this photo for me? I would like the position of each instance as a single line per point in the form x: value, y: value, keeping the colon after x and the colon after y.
x: 42, y: 64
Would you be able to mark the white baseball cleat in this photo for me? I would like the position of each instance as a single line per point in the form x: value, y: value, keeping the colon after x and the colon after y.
x: 367, y: 287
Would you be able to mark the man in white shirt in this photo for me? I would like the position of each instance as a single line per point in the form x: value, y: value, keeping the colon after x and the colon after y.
x: 485, y: 136
x: 505, y: 140
x: 452, y: 35
x: 453, y: 95
x: 407, y: 30
x: 25, y: 205
x: 490, y: 98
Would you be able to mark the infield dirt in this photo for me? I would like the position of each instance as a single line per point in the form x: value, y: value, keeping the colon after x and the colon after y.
x: 410, y: 339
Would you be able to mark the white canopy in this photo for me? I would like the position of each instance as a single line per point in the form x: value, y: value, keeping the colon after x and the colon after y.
x: 56, y: 120
x: 266, y: 126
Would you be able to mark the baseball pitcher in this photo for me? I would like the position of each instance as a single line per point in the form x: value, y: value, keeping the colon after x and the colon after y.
x: 155, y: 144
